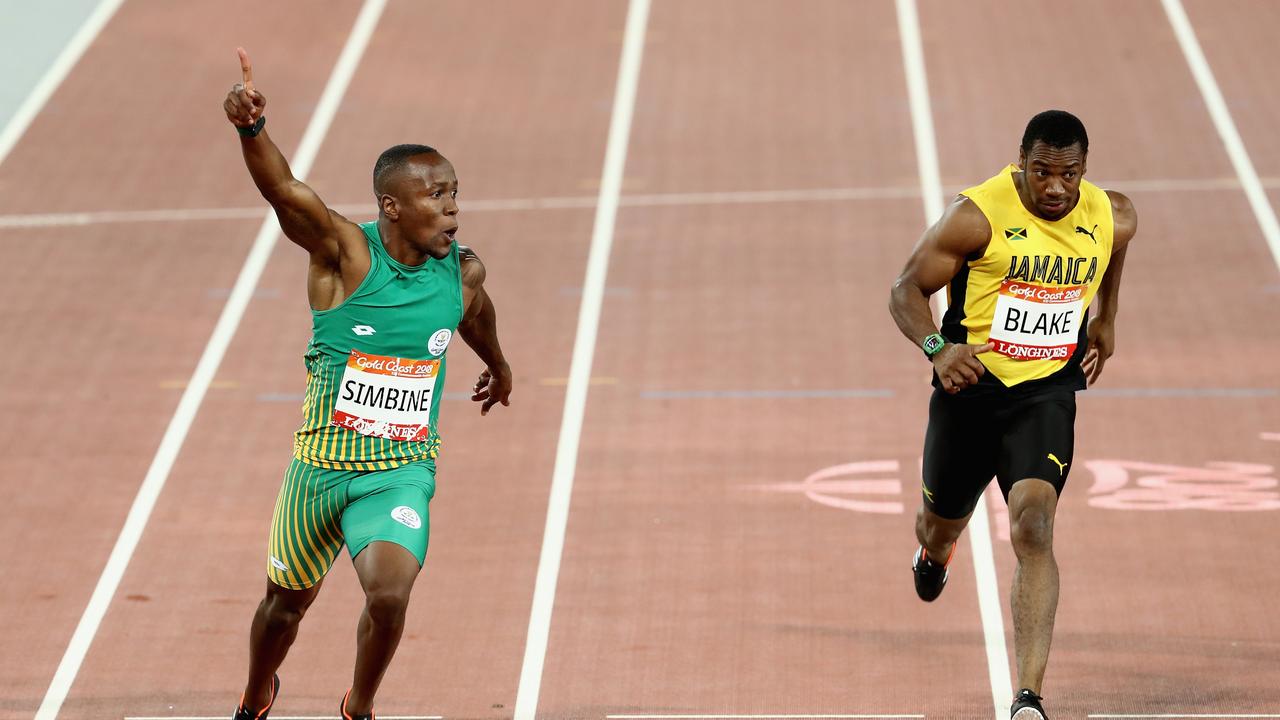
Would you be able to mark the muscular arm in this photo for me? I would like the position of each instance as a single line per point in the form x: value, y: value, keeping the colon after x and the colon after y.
x: 937, y: 257
x: 304, y: 218
x: 339, y: 255
x: 1126, y: 226
x: 479, y: 329
x: 1102, y: 338
x: 962, y: 231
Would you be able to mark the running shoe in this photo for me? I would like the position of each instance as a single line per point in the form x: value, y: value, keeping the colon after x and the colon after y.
x: 342, y: 710
x: 1026, y: 706
x: 244, y: 713
x: 931, y: 576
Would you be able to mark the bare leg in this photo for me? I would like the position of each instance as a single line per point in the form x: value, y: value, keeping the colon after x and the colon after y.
x: 938, y: 534
x: 387, y: 572
x: 275, y: 625
x: 1032, y: 504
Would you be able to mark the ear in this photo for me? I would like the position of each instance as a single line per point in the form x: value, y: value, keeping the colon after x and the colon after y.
x: 387, y: 204
x: 1022, y: 159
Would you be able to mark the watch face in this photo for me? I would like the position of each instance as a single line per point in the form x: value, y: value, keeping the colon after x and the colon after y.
x: 933, y: 344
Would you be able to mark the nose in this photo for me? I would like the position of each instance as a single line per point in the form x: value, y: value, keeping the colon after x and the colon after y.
x: 451, y: 206
x: 1055, y: 187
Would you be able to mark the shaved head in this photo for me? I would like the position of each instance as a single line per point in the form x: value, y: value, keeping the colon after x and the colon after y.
x: 392, y: 162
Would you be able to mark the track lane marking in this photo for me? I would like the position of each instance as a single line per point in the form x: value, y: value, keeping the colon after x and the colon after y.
x: 201, y: 378
x: 584, y: 345
x: 583, y: 202
x: 282, y: 717
x: 750, y: 717
x: 53, y: 77
x: 979, y: 531
x: 1225, y: 125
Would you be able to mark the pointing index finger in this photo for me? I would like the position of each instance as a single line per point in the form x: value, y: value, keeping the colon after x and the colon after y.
x: 246, y: 68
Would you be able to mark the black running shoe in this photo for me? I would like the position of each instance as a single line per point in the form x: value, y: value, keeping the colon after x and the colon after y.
x: 931, y: 576
x: 244, y: 713
x: 1026, y: 706
x: 342, y: 710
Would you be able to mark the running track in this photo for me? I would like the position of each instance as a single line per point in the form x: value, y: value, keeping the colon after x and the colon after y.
x: 770, y: 192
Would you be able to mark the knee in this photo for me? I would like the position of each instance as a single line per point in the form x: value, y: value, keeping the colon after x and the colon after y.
x: 1032, y: 531
x: 280, y: 614
x: 387, y: 606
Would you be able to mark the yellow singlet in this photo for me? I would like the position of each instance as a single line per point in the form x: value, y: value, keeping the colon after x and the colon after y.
x: 1029, y: 292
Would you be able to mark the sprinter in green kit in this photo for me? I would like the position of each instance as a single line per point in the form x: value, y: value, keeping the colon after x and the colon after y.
x: 387, y: 298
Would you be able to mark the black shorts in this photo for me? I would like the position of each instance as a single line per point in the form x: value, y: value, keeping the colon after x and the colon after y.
x: 1010, y: 435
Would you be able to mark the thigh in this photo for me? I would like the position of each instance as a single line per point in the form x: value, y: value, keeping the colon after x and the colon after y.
x: 391, y: 506
x: 960, y: 451
x: 1040, y: 440
x: 306, y: 536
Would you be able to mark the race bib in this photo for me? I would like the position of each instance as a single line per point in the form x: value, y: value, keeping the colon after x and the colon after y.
x: 1037, y: 322
x: 386, y: 397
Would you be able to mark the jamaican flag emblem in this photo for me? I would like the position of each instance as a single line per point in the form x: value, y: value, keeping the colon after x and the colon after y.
x: 1015, y: 233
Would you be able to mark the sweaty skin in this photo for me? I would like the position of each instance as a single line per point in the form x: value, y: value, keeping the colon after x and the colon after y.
x: 417, y: 220
x: 1048, y: 186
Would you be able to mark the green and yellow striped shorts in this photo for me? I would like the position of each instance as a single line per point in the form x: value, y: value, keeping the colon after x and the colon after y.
x: 319, y: 510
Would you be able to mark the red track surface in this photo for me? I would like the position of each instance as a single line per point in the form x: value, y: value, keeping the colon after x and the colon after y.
x: 696, y: 577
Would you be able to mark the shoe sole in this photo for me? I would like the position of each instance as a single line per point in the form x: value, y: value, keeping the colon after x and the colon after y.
x: 1028, y: 714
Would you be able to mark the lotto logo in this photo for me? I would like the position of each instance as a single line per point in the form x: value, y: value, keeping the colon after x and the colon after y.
x: 363, y: 330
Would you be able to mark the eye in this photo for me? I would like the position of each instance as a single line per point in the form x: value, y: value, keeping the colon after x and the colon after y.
x: 1070, y: 175
x: 436, y: 194
x: 454, y: 194
x: 1041, y: 173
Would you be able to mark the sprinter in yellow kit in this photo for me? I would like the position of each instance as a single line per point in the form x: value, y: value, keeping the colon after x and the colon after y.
x: 1025, y: 256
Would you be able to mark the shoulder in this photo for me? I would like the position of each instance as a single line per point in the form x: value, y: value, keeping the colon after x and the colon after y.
x: 348, y: 233
x: 473, y: 272
x: 1124, y: 216
x: 963, y: 228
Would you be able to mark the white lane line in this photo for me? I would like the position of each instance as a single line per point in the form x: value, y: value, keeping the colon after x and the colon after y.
x: 749, y: 717
x: 732, y: 197
x: 984, y: 566
x: 922, y: 125
x: 54, y: 76
x: 205, y: 369
x: 1185, y: 716
x: 282, y: 717
x: 1226, y: 127
x: 584, y: 345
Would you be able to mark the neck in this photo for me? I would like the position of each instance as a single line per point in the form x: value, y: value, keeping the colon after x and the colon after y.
x: 397, y: 246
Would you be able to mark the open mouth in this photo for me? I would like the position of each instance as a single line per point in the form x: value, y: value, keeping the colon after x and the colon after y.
x: 451, y: 232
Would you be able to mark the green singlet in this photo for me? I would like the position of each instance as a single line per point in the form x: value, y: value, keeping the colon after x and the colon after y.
x: 376, y: 365
x: 364, y: 458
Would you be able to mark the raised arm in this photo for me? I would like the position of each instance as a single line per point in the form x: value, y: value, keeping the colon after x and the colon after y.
x: 1102, y: 327
x: 303, y: 216
x: 937, y: 257
x: 479, y: 328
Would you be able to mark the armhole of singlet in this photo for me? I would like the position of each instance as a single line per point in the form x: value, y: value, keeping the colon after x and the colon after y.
x: 462, y: 295
x: 374, y: 260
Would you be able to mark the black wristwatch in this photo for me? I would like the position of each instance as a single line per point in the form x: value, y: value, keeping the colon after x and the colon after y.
x: 254, y: 129
x: 932, y: 345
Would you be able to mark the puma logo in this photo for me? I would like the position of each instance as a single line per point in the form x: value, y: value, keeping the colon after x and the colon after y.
x: 1090, y: 233
x: 1062, y: 467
